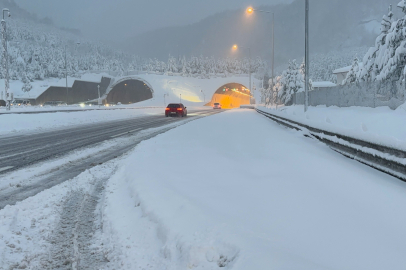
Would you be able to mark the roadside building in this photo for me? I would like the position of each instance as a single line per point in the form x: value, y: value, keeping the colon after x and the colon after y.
x: 322, y: 85
x: 341, y: 74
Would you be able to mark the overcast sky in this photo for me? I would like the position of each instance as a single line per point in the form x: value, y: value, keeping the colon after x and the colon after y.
x: 127, y: 18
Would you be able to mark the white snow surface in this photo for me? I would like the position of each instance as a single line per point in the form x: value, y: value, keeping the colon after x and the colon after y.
x: 21, y: 123
x: 26, y: 228
x: 378, y: 125
x: 323, y: 84
x: 240, y: 191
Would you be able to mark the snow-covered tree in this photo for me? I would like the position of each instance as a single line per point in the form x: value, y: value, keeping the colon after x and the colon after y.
x: 353, y: 74
x: 291, y: 82
x: 373, y: 59
x: 172, y: 65
x: 27, y: 84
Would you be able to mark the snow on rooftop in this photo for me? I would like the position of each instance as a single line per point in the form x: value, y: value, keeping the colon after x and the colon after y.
x: 323, y: 84
x: 342, y: 70
x: 347, y: 68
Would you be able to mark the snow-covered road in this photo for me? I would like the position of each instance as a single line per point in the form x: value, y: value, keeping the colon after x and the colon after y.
x: 232, y: 190
x: 240, y: 191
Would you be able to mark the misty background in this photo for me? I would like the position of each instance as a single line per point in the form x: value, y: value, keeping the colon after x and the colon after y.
x: 157, y: 29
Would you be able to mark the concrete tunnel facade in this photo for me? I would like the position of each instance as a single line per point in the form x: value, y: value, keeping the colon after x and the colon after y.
x: 129, y: 90
x: 231, y: 95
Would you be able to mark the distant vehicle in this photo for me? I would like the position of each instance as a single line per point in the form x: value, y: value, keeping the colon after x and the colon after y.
x: 176, y: 109
x: 119, y: 103
x: 54, y: 103
x: 21, y: 102
x: 216, y: 106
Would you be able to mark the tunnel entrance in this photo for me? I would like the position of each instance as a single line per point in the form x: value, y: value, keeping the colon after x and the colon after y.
x: 231, y: 95
x: 129, y: 91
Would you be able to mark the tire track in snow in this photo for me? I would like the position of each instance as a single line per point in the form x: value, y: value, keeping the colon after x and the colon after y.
x: 73, y: 241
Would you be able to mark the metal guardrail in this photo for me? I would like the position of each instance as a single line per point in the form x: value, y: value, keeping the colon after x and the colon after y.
x: 383, y: 158
x: 247, y: 107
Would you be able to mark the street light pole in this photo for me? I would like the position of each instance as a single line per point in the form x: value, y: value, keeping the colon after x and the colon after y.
x: 180, y: 95
x: 251, y: 10
x: 5, y: 59
x: 306, y: 101
x: 249, y: 55
x: 273, y: 51
x: 164, y: 99
x: 235, y: 47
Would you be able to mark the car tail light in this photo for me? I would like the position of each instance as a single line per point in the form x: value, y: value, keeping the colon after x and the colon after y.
x: 167, y: 109
x: 180, y: 109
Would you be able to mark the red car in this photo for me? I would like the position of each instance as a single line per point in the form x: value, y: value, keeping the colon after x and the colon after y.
x: 175, y: 109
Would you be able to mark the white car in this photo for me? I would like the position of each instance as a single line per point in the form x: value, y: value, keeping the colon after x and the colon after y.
x: 216, y: 106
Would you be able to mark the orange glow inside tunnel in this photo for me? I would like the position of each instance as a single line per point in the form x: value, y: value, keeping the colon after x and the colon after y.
x: 231, y: 96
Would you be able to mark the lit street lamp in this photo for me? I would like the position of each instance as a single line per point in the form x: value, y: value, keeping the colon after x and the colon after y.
x: 5, y: 59
x: 251, y: 10
x: 235, y: 47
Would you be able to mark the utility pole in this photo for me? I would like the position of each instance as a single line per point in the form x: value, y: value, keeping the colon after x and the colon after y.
x: 273, y: 52
x: 5, y: 59
x: 249, y: 55
x: 98, y: 91
x: 306, y: 101
x: 180, y: 95
x: 66, y: 76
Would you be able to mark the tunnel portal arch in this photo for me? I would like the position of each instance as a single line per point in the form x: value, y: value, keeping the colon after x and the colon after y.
x: 129, y: 90
x: 231, y: 95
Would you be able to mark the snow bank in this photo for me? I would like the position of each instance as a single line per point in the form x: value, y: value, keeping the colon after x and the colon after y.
x: 378, y: 125
x: 26, y: 229
x: 236, y: 190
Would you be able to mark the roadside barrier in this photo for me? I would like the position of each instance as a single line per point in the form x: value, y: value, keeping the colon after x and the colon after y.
x: 383, y: 158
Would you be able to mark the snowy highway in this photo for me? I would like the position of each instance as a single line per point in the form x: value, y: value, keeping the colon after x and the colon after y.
x: 18, y: 152
x: 286, y: 154
x: 247, y: 193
